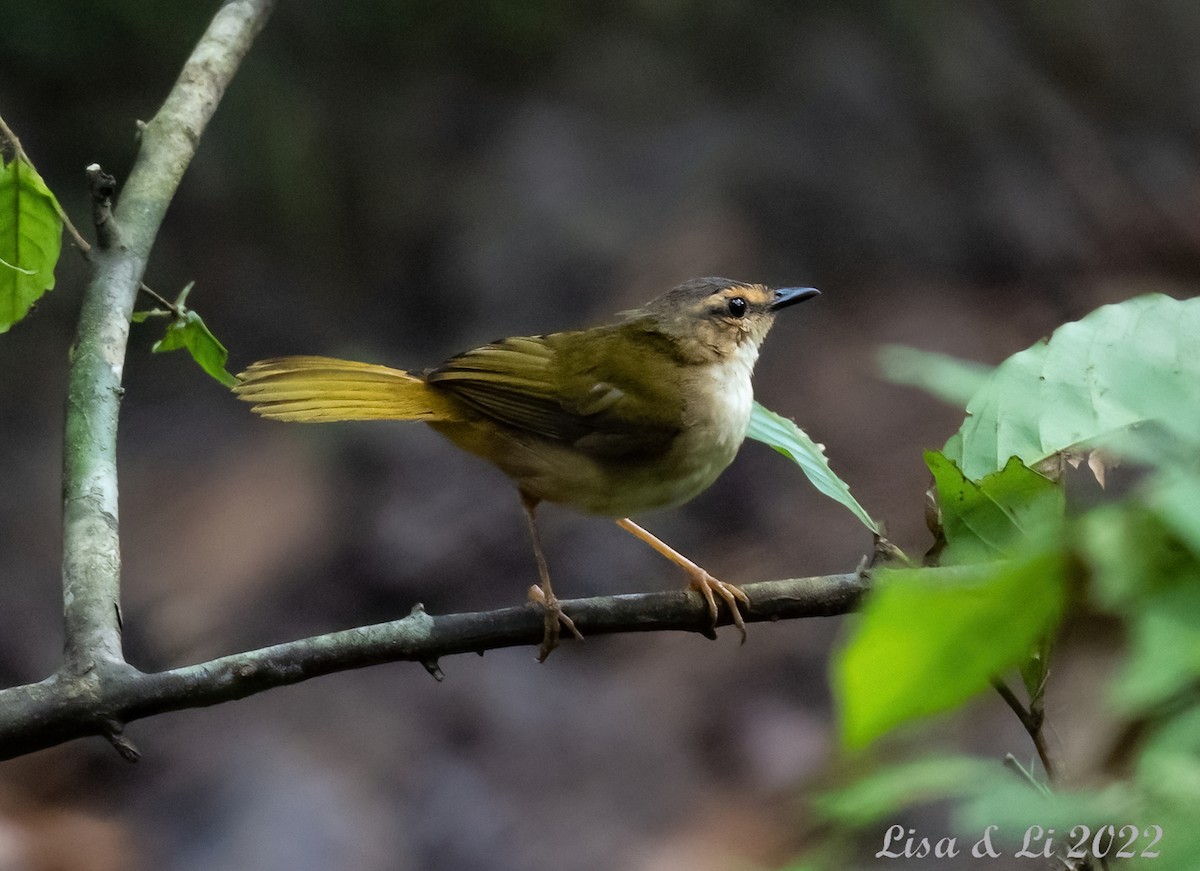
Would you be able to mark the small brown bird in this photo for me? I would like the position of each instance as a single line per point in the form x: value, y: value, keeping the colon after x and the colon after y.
x: 640, y: 414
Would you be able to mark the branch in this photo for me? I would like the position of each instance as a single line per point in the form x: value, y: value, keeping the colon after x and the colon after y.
x: 91, y: 547
x: 42, y: 715
x: 1032, y: 719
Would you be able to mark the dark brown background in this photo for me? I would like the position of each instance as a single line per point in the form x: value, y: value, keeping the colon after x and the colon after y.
x: 395, y: 182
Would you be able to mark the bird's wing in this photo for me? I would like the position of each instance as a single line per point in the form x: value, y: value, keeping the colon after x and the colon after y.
x: 579, y: 388
x: 511, y: 381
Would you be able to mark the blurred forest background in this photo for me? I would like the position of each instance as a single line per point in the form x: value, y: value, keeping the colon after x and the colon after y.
x: 397, y: 181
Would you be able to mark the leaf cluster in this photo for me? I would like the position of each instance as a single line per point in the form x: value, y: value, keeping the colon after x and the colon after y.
x: 187, y: 331
x: 1012, y: 565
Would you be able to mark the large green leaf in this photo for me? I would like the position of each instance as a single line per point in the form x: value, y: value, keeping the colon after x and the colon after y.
x: 928, y: 639
x: 1121, y: 365
x: 30, y: 240
x: 988, y: 519
x: 791, y: 441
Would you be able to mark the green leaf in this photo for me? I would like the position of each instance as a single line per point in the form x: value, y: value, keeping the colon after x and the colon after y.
x: 1141, y: 571
x: 927, y: 639
x: 791, y: 441
x: 190, y: 332
x: 1170, y: 763
x: 988, y: 519
x: 948, y: 378
x: 30, y: 240
x: 1164, y: 657
x: 1121, y: 365
x: 1132, y: 556
x: 1175, y: 496
x: 1013, y: 807
x: 1169, y: 775
x: 895, y: 787
x: 1168, y: 772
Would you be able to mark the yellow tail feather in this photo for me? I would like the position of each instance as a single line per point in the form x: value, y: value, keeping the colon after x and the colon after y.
x: 321, y: 389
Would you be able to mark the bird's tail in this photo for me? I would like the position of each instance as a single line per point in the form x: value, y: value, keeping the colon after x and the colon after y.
x: 321, y: 389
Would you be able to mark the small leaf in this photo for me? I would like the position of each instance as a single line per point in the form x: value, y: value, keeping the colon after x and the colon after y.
x: 190, y: 332
x: 986, y: 520
x: 926, y: 639
x: 791, y: 441
x: 30, y: 240
x: 948, y: 378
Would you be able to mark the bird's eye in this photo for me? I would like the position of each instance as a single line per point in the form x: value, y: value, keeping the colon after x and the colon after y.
x: 737, y: 307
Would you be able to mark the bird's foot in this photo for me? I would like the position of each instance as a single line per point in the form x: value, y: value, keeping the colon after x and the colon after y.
x: 709, y: 587
x: 554, y: 618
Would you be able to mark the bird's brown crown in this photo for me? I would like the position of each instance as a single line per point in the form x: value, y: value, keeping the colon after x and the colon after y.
x: 711, y: 318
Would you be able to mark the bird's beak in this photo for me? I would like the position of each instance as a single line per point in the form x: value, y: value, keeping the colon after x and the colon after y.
x: 786, y: 296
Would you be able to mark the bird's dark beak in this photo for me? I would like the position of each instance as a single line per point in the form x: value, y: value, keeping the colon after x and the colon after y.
x: 786, y: 296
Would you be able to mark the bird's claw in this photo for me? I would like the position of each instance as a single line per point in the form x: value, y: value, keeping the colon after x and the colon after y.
x: 709, y: 587
x: 553, y: 619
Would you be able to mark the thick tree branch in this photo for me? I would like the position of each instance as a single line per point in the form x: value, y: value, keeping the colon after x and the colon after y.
x: 91, y: 547
x: 65, y: 706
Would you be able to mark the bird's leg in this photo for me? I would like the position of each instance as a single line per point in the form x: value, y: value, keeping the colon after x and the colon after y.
x: 701, y: 580
x: 552, y: 612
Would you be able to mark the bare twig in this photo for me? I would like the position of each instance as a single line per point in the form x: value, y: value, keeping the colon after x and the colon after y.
x: 103, y: 188
x: 20, y: 154
x: 12, y: 139
x: 169, y: 306
x: 64, y: 707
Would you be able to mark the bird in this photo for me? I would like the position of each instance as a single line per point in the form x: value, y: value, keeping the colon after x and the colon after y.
x: 614, y: 420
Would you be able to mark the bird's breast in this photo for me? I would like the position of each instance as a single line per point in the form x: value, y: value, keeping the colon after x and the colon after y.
x: 718, y: 398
